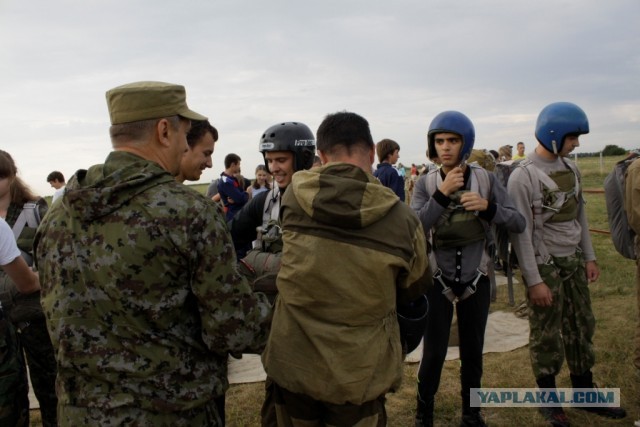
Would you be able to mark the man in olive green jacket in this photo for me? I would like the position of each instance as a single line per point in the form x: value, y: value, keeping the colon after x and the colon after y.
x: 351, y: 248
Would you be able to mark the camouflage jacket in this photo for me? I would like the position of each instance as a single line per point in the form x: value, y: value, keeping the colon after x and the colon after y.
x: 335, y: 336
x: 140, y: 290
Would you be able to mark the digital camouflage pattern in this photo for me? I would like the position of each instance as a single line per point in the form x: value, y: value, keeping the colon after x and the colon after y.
x: 569, y: 313
x: 142, y: 298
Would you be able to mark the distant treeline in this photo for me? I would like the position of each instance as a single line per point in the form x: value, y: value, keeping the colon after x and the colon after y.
x: 609, y: 150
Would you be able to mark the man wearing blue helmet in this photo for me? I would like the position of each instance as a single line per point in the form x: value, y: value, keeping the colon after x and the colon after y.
x: 457, y: 203
x: 556, y: 256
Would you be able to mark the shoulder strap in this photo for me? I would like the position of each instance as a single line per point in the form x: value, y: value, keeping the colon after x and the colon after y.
x: 576, y: 173
x: 271, y: 209
x: 537, y: 177
x: 30, y: 217
x: 482, y: 181
x: 432, y: 181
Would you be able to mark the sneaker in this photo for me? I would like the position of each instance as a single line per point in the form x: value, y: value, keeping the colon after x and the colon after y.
x: 473, y: 419
x: 554, y: 416
x: 615, y: 413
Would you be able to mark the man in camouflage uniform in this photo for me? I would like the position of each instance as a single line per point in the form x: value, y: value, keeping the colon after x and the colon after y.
x: 139, y: 284
x: 556, y: 256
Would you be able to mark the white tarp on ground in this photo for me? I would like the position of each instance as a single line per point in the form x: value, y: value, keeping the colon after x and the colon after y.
x: 505, y: 332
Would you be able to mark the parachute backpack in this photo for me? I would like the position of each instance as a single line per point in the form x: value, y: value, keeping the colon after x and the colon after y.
x: 621, y: 234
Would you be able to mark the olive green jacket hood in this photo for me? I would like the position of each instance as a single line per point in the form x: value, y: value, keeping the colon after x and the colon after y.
x: 105, y: 188
x: 323, y: 194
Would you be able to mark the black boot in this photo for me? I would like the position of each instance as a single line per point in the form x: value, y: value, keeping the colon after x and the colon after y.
x: 555, y: 416
x: 471, y: 417
x: 585, y: 380
x: 424, y: 414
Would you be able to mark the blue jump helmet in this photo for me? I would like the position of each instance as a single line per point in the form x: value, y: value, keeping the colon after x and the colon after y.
x: 453, y: 122
x: 290, y: 136
x: 558, y: 120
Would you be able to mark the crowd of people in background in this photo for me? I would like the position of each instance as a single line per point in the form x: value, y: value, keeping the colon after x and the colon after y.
x: 145, y: 287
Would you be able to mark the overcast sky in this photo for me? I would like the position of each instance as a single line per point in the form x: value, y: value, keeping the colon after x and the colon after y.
x: 250, y: 64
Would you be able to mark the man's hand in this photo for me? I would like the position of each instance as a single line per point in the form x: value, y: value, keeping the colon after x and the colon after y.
x: 593, y: 272
x: 453, y: 181
x: 540, y: 294
x: 473, y: 202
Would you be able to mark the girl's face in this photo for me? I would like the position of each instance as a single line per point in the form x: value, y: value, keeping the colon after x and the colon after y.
x: 261, y: 177
x: 5, y: 185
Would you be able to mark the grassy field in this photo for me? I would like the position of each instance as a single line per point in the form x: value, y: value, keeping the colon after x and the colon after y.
x: 614, y: 305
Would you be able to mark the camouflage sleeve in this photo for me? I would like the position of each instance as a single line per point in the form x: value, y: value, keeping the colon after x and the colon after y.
x: 234, y: 318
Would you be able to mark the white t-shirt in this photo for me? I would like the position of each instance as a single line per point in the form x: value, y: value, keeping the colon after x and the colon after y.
x: 8, y: 248
x: 59, y: 192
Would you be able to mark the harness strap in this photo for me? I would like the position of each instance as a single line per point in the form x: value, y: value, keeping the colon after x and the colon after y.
x: 448, y: 292
x: 30, y: 217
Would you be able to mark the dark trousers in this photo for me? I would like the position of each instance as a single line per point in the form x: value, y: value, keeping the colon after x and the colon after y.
x: 39, y: 353
x: 472, y: 319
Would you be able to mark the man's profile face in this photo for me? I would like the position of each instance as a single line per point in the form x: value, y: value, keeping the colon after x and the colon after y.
x: 178, y: 146
x: 56, y: 184
x: 197, y: 158
x: 571, y: 142
x: 281, y: 166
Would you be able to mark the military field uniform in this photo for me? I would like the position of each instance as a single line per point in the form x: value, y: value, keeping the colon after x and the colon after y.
x: 334, y: 349
x: 565, y: 329
x: 142, y: 298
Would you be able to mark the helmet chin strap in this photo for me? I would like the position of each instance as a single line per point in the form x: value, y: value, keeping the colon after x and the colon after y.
x: 555, y: 146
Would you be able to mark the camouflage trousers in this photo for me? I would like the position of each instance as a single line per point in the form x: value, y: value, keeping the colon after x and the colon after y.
x: 204, y: 416
x: 564, y: 329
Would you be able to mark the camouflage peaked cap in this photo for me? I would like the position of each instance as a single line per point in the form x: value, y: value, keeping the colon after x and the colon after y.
x: 138, y: 101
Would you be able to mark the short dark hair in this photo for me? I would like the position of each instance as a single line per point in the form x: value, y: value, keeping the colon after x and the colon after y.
x: 55, y: 176
x: 343, y: 129
x: 230, y: 159
x: 200, y: 129
x: 386, y: 148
